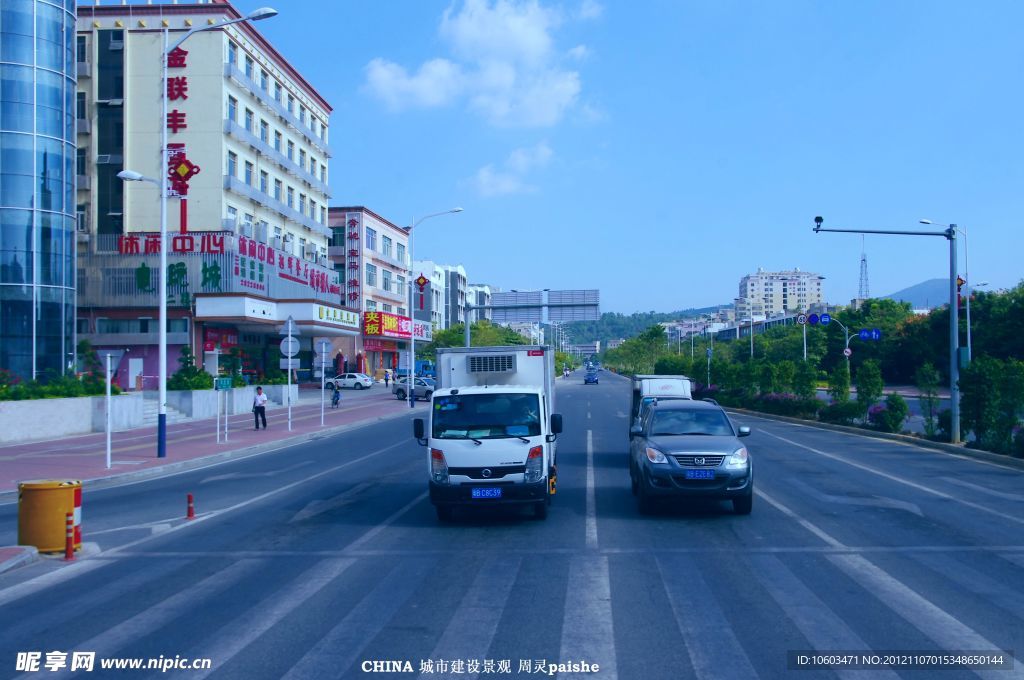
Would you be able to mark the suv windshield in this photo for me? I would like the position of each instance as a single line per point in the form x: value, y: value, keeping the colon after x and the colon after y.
x: 486, y: 416
x: 680, y: 422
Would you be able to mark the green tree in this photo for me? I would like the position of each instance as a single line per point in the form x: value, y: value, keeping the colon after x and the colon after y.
x: 927, y: 380
x: 805, y: 380
x: 767, y: 378
x: 189, y: 376
x: 869, y: 384
x: 992, y: 402
x: 785, y: 372
x: 839, y: 383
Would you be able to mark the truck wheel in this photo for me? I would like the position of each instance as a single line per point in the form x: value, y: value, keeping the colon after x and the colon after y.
x: 445, y: 513
x: 540, y: 510
x: 400, y: 395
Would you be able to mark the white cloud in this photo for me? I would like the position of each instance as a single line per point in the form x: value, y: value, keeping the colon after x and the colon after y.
x: 590, y: 9
x: 511, y: 177
x: 506, y: 67
x: 436, y: 83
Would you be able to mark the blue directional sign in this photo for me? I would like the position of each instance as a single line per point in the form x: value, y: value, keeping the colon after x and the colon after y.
x: 812, y: 319
x: 825, y: 319
x: 864, y: 334
x: 876, y: 334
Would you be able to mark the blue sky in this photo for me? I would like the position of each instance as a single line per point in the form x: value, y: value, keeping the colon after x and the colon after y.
x: 659, y: 150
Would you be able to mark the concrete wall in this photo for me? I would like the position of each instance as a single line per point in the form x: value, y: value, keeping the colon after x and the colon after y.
x: 22, y: 421
x: 276, y: 393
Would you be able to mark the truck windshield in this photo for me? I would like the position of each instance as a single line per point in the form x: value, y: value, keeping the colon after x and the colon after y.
x: 486, y: 416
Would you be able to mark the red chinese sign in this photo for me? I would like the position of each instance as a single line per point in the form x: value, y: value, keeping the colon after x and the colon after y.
x: 148, y: 243
x: 380, y: 346
x: 177, y: 88
x: 225, y: 337
x: 386, y: 325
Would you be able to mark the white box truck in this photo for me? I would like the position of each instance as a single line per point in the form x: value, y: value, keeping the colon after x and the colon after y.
x: 647, y: 388
x: 492, y: 429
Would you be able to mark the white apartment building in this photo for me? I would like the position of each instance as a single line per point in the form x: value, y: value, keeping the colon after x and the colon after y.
x: 764, y: 295
x: 456, y: 284
x: 479, y: 295
x: 434, y: 293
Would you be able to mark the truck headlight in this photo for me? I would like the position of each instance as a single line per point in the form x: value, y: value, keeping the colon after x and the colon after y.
x: 656, y: 456
x: 738, y: 459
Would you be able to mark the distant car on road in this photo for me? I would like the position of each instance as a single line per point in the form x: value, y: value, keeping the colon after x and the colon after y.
x: 358, y: 381
x: 422, y: 388
x: 689, y: 449
x: 590, y: 378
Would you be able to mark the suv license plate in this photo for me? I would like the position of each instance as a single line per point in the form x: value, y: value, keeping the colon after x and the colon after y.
x: 699, y: 474
x: 486, y: 492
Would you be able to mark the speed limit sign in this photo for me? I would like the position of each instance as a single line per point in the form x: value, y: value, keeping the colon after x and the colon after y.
x: 801, y: 319
x: 847, y: 351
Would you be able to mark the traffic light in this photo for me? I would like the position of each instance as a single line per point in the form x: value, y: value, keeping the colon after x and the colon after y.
x: 960, y: 281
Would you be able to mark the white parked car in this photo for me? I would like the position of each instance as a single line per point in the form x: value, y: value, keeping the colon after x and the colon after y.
x: 358, y: 381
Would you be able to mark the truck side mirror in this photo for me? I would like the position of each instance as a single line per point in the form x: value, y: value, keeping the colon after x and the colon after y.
x: 417, y: 431
x: 556, y: 423
x: 635, y: 430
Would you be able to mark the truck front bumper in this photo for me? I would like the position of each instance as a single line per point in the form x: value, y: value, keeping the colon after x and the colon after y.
x: 511, y: 494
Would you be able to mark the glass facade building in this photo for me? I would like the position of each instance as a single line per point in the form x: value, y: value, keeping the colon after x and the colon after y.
x: 37, y: 186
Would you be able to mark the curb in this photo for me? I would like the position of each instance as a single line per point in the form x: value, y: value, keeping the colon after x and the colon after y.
x: 28, y: 555
x: 988, y: 456
x: 255, y: 450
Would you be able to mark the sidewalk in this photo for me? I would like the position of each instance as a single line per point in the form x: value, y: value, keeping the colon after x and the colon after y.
x: 189, y: 444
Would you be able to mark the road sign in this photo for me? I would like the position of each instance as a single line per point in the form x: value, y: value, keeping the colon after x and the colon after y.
x: 287, y: 364
x: 222, y: 384
x: 876, y: 334
x: 289, y: 327
x: 825, y: 319
x: 847, y: 351
x: 864, y: 334
x: 290, y: 346
x: 812, y: 319
x: 801, y: 319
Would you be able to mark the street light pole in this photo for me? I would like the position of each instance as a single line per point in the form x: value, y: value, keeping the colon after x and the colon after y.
x: 411, y: 380
x: 954, y: 372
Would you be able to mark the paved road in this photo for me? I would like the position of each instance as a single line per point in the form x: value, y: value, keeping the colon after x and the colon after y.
x: 309, y: 561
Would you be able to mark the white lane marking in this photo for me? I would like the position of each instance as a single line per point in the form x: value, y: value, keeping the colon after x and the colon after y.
x: 341, y: 646
x: 38, y: 583
x: 1016, y: 559
x: 588, y: 415
x: 266, y: 614
x: 372, y: 533
x: 800, y: 520
x: 587, y: 629
x: 870, y: 501
x: 900, y: 480
x: 711, y: 643
x: 971, y: 580
x: 471, y: 631
x: 812, y: 617
x: 985, y: 490
x: 155, y: 617
x: 935, y: 623
x: 591, y: 500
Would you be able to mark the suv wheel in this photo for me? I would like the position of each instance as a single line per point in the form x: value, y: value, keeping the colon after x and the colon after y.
x: 743, y: 504
x: 427, y: 395
x: 400, y: 395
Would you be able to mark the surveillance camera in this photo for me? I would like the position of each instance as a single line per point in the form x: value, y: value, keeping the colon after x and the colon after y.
x: 818, y: 220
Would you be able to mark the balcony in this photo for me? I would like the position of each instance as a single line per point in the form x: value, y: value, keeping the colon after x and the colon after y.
x: 388, y: 260
x: 236, y: 74
x: 236, y: 185
x: 246, y: 137
x: 390, y: 295
x: 83, y: 125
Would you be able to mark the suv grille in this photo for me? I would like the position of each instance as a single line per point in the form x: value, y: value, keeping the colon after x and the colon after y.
x: 690, y: 460
x: 491, y: 363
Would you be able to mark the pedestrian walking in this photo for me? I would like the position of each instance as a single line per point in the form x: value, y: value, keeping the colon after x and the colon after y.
x: 387, y: 379
x: 259, y: 408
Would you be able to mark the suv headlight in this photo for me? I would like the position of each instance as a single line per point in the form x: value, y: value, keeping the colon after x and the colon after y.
x: 656, y: 456
x: 738, y: 459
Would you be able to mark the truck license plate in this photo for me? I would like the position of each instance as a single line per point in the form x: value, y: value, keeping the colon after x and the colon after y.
x: 486, y: 492
x: 699, y: 474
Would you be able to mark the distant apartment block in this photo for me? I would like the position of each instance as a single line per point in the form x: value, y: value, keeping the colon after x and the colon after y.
x: 764, y: 295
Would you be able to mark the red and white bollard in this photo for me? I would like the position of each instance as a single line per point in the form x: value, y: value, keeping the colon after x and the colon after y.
x: 191, y: 508
x: 78, y: 516
x: 69, y: 540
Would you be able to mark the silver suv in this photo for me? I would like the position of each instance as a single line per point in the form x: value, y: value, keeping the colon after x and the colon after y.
x: 423, y: 388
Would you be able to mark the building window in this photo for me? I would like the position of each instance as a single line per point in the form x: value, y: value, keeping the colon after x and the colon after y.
x: 232, y: 109
x: 291, y: 104
x: 277, y: 141
x: 371, y: 274
x: 80, y: 162
x: 371, y: 305
x: 385, y: 246
x: 400, y: 311
x: 323, y: 215
x: 264, y: 81
x: 264, y: 182
x: 400, y: 251
x: 249, y: 118
x: 291, y: 150
x: 81, y: 50
x: 302, y: 248
x: 385, y: 307
x: 277, y: 189
x: 277, y: 90
x: 302, y: 204
x: 232, y: 164
x: 233, y: 214
x: 264, y: 131
x: 302, y: 114
x: 248, y: 173
x: 312, y: 208
x: 249, y: 67
x: 232, y: 52
x: 386, y: 280
x: 323, y: 173
x: 302, y: 158
x: 291, y: 197
x: 399, y: 284
x: 277, y: 232
x: 312, y: 166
